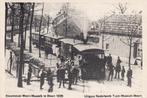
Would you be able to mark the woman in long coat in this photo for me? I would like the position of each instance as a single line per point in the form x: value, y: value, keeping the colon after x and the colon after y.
x: 50, y: 80
x: 42, y: 76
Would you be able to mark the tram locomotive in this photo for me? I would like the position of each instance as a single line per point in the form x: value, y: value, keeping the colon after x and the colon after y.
x: 94, y: 61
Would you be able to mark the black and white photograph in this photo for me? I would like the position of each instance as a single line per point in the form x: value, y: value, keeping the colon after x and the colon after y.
x: 84, y: 49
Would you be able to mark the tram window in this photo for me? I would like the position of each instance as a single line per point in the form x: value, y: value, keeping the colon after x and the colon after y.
x: 101, y: 56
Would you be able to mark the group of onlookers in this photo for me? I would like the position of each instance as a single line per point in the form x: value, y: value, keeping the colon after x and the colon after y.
x: 118, y: 69
x: 67, y: 72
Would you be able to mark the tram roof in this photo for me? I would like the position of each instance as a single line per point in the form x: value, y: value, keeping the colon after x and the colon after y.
x: 37, y: 33
x: 53, y: 36
x: 70, y: 41
x: 87, y: 47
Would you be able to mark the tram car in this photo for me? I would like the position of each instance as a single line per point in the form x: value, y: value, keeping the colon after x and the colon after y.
x: 52, y: 39
x: 35, y: 39
x: 48, y: 40
x: 93, y: 61
x: 93, y: 58
x: 67, y: 48
x: 51, y: 43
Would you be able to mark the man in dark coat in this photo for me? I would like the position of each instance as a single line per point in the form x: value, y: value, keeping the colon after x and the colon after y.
x: 109, y: 59
x: 70, y: 77
x: 61, y: 73
x: 42, y: 76
x: 29, y: 75
x: 50, y: 80
x: 129, y: 77
x: 123, y: 72
x: 117, y: 68
x: 111, y: 71
x: 58, y: 75
x: 75, y: 75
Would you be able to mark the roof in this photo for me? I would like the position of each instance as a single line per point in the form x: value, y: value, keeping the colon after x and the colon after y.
x: 70, y: 41
x: 79, y: 45
x: 123, y: 24
x: 53, y: 36
x: 83, y: 47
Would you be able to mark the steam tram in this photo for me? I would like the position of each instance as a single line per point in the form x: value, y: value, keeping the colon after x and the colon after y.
x: 93, y: 59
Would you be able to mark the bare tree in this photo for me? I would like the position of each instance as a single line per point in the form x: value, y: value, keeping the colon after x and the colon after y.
x: 133, y: 30
x: 30, y: 44
x: 12, y: 20
x: 133, y: 26
x: 122, y: 7
x: 40, y: 32
x: 19, y: 84
x: 48, y: 23
x: 28, y: 11
x: 6, y: 16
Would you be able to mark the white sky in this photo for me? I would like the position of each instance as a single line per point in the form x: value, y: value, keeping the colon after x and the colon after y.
x: 94, y: 9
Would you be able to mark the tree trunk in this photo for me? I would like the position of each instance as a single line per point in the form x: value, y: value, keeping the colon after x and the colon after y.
x: 12, y: 28
x: 21, y: 46
x: 66, y: 27
x: 40, y: 32
x: 30, y: 44
x: 19, y: 39
x: 103, y: 41
x: 130, y: 52
x: 35, y: 24
x: 6, y: 15
x: 48, y: 24
x: 26, y: 27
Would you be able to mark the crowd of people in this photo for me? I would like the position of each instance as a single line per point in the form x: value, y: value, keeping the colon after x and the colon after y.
x: 118, y: 69
x: 69, y: 73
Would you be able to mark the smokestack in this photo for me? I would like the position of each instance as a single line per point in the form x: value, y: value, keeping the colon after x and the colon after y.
x: 85, y: 29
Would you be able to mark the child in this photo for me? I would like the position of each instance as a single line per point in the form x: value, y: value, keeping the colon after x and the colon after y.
x: 122, y: 73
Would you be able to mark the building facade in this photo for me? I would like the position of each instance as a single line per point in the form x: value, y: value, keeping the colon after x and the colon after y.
x: 115, y: 35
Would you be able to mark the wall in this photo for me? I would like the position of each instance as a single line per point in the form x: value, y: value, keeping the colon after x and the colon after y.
x: 119, y: 45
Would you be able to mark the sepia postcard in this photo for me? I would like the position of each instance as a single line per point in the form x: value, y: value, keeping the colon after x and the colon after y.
x: 73, y: 49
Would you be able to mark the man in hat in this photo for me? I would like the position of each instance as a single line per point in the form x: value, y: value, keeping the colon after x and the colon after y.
x: 129, y: 77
